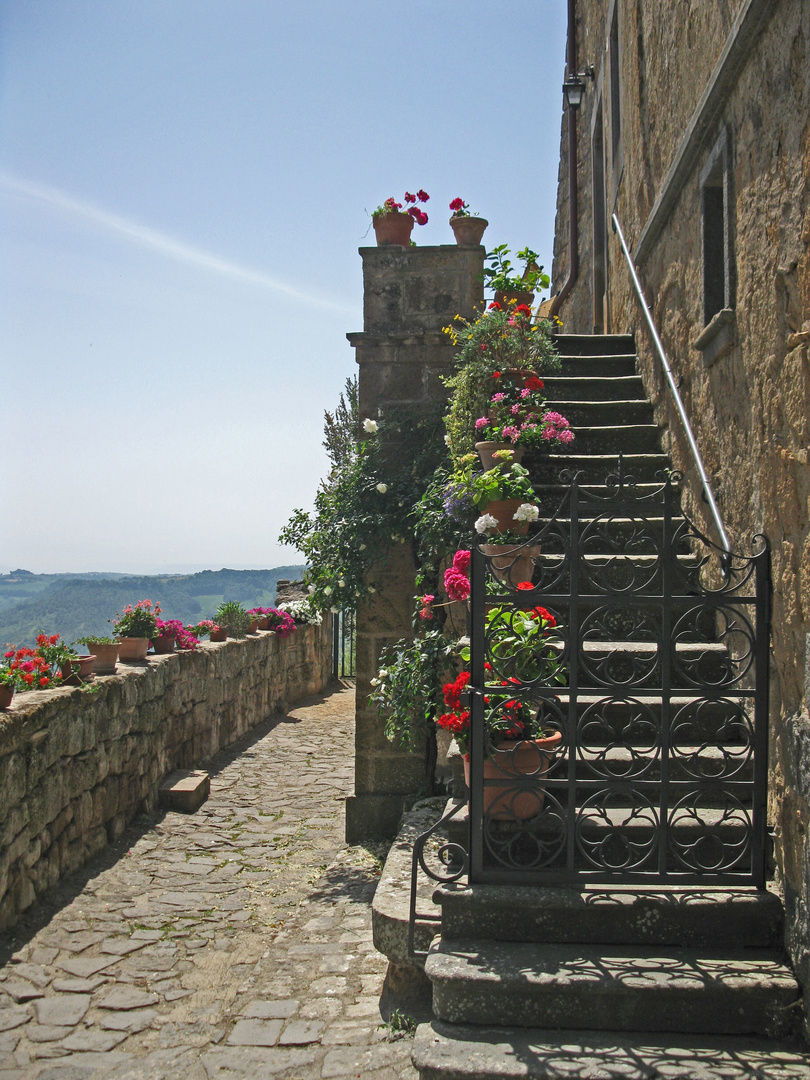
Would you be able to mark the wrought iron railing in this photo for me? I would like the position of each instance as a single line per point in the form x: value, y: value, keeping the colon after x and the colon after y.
x: 687, y: 427
x: 651, y: 692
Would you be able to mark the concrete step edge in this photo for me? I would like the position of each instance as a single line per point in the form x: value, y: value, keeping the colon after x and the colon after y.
x: 455, y: 1052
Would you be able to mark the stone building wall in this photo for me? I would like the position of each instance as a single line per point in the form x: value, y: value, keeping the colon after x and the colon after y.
x: 409, y: 294
x: 691, y: 74
x: 76, y: 767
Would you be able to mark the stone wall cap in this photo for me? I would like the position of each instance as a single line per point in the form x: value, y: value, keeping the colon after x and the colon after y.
x: 395, y: 337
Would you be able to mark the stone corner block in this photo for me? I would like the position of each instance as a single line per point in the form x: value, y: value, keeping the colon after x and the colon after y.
x: 185, y: 790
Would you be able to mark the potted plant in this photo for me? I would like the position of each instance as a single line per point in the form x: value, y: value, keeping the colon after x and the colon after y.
x: 232, y: 619
x: 168, y: 633
x: 467, y: 228
x: 497, y: 342
x: 9, y: 679
x: 104, y: 652
x: 392, y: 226
x: 526, y: 650
x: 517, y: 419
x: 509, y: 286
x: 505, y: 497
x: 134, y: 628
x: 510, y: 555
x: 280, y: 622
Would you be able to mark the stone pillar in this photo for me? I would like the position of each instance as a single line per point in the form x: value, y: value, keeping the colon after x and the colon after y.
x: 409, y: 294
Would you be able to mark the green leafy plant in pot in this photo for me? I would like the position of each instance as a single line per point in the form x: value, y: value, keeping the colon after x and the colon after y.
x: 233, y: 619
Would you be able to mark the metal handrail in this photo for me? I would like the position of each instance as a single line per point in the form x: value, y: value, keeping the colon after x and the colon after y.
x: 693, y: 446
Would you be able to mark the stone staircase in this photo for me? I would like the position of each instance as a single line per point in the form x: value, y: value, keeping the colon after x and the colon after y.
x: 609, y: 980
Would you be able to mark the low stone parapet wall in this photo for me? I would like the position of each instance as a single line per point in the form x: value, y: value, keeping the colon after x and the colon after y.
x: 77, y: 766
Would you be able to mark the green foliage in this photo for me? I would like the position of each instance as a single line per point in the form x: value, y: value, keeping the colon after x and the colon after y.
x: 365, y: 507
x: 407, y: 688
x: 340, y: 427
x: 501, y: 276
x: 500, y: 483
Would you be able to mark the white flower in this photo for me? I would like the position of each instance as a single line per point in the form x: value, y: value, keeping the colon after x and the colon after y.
x: 486, y: 523
x: 526, y: 512
x: 334, y: 610
x: 382, y: 673
x: 362, y: 547
x: 327, y: 590
x: 371, y: 588
x: 382, y: 488
x: 341, y: 583
x: 447, y: 440
x: 463, y: 642
x: 374, y: 682
x: 310, y: 588
x: 370, y: 426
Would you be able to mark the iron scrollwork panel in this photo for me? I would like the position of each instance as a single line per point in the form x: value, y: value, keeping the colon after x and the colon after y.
x: 647, y: 677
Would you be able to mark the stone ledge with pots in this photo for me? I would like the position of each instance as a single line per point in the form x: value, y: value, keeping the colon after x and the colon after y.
x: 76, y: 767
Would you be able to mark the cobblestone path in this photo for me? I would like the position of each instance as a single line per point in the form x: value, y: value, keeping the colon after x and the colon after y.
x: 234, y: 942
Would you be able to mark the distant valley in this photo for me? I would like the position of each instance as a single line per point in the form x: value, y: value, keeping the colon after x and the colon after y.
x: 75, y: 605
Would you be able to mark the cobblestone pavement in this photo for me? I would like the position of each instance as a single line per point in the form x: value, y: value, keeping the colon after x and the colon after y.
x: 230, y: 943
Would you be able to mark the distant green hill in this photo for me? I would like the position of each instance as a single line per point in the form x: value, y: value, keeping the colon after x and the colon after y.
x: 77, y: 605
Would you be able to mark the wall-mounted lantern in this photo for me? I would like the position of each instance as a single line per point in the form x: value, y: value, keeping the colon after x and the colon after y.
x: 574, y: 86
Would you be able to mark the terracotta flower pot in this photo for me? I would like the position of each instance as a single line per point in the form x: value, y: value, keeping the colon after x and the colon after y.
x: 393, y: 229
x: 77, y: 671
x: 514, y: 760
x: 487, y: 449
x: 513, y: 299
x: 218, y: 635
x: 503, y: 510
x: 105, y: 658
x: 512, y: 563
x: 468, y: 230
x: 253, y: 627
x: 6, y: 694
x: 264, y: 624
x: 164, y: 645
x: 132, y: 649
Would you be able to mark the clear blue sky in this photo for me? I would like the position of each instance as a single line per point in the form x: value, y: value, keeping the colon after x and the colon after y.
x: 183, y: 188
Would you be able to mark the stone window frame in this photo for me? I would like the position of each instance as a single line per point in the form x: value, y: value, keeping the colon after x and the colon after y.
x: 718, y: 265
x: 613, y: 69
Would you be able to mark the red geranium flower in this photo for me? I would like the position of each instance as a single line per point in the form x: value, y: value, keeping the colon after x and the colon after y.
x: 422, y: 195
x: 524, y: 585
x: 494, y: 306
x: 523, y: 309
x: 533, y: 383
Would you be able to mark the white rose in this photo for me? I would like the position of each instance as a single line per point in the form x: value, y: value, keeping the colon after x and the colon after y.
x: 382, y: 673
x: 362, y: 547
x: 370, y: 426
x: 374, y: 682
x: 327, y: 591
x: 371, y: 588
x: 486, y: 523
x: 447, y: 440
x: 382, y: 488
x: 341, y: 583
x: 463, y: 642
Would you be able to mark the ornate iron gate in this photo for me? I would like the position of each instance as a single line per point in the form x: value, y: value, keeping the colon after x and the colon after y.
x: 640, y: 650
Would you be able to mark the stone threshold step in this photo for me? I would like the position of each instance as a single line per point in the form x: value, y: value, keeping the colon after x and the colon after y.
x: 449, y: 1052
x: 668, y: 915
x: 618, y: 988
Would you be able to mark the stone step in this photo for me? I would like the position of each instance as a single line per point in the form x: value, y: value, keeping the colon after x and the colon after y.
x: 454, y: 1052
x: 618, y: 988
x: 672, y: 916
x: 595, y: 467
x: 572, y: 387
x: 594, y: 344
x: 617, y: 365
x: 617, y: 439
x: 583, y: 413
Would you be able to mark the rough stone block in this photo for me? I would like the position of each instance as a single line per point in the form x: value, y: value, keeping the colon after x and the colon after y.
x: 185, y: 791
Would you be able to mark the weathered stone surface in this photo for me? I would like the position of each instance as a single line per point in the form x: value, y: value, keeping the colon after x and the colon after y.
x: 123, y: 998
x: 185, y: 790
x: 63, y: 1009
x: 277, y: 934
x: 75, y: 768
x: 255, y: 1033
